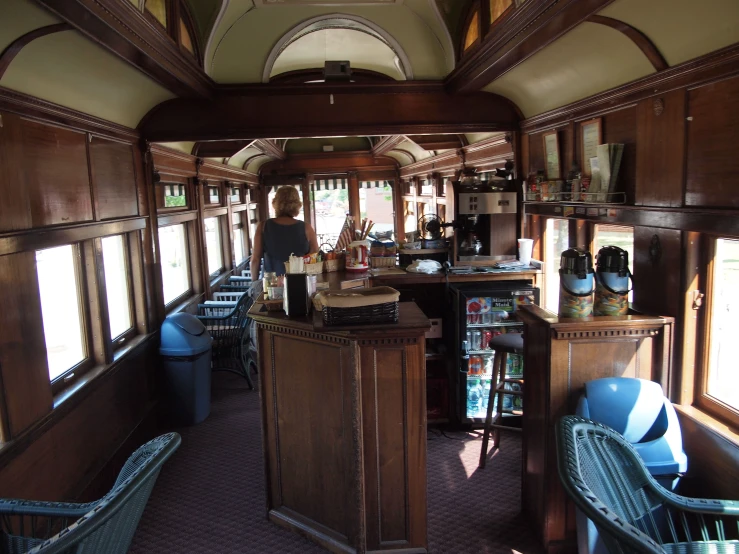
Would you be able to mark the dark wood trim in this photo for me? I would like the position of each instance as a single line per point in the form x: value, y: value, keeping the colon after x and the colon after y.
x: 302, y: 76
x: 332, y: 87
x: 298, y: 165
x: 174, y: 219
x: 530, y: 28
x: 711, y: 221
x: 358, y: 110
x: 642, y: 41
x: 385, y: 144
x: 431, y: 143
x: 715, y: 66
x: 47, y: 237
x: 452, y: 159
x: 252, y: 158
x: 270, y: 148
x: 219, y: 148
x: 121, y: 29
x: 475, y: 6
x: 17, y: 45
x: 45, y: 112
x: 219, y: 171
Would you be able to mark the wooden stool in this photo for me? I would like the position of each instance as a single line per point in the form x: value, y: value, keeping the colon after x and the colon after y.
x: 510, y: 343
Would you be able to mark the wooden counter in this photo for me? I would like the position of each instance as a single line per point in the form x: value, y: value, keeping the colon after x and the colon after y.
x: 344, y: 429
x: 560, y: 356
x: 339, y: 279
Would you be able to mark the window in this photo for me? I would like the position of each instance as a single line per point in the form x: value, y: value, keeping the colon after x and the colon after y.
x: 238, y: 230
x: 253, y: 222
x: 615, y: 235
x: 331, y: 207
x: 498, y: 8
x: 557, y: 239
x: 158, y: 10
x: 721, y: 380
x: 376, y: 203
x: 235, y: 194
x: 117, y: 287
x: 426, y: 187
x: 213, y: 195
x: 409, y: 217
x: 473, y: 31
x: 213, y: 245
x: 174, y: 195
x: 185, y: 38
x: 57, y: 270
x: 175, y: 267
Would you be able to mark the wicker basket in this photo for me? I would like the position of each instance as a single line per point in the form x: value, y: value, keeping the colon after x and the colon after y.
x: 310, y: 269
x: 337, y: 264
x: 376, y: 313
x: 382, y: 261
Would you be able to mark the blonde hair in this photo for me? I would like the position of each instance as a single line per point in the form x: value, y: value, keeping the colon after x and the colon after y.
x: 287, y: 202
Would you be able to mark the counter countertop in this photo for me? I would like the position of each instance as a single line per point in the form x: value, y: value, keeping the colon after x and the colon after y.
x: 340, y: 279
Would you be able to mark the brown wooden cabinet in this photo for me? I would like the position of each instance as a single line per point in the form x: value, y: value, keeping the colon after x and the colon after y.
x: 561, y: 355
x: 344, y: 427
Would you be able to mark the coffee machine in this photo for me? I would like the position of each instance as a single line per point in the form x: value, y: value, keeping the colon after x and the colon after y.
x: 485, y: 221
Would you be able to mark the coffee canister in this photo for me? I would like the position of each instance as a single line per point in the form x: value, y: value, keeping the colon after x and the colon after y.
x: 576, y: 283
x: 612, y: 282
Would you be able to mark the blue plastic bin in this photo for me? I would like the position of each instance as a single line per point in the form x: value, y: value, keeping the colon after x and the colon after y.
x: 186, y: 352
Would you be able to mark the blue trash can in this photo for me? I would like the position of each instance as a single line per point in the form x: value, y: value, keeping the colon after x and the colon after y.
x: 186, y: 351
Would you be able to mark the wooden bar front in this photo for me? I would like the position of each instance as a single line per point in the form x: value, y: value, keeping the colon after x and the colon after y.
x: 560, y: 356
x: 344, y: 429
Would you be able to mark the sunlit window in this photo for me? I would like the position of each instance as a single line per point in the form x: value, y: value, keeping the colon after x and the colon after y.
x: 185, y: 38
x: 722, y: 379
x: 270, y: 197
x: 174, y: 195
x: 410, y: 224
x: 60, y: 308
x: 213, y: 245
x: 557, y: 239
x: 498, y: 7
x: 175, y: 269
x: 238, y: 230
x: 376, y: 204
x: 158, y: 9
x: 331, y: 207
x: 117, y: 285
x: 473, y: 31
x: 615, y: 235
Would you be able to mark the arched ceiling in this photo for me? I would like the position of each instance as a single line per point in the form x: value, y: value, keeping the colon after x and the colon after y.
x: 315, y: 145
x: 593, y: 58
x: 68, y: 69
x: 246, y: 34
x: 312, y: 50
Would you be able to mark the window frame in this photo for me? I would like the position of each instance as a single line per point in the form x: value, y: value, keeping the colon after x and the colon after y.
x: 168, y: 306
x: 160, y: 194
x: 701, y: 399
x: 212, y: 276
x: 122, y: 339
x: 553, y: 264
x: 241, y: 213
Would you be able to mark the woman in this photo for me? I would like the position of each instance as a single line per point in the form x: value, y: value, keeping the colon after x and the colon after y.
x: 277, y: 238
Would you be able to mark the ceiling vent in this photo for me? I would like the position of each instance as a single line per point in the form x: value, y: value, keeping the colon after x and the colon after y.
x: 337, y: 71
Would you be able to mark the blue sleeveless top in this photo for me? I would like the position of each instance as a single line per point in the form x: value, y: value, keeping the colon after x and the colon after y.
x: 280, y: 241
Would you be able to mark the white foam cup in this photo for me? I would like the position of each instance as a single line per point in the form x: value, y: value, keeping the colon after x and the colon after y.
x: 525, y: 247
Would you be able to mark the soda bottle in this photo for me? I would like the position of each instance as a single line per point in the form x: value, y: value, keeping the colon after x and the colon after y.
x: 485, y: 393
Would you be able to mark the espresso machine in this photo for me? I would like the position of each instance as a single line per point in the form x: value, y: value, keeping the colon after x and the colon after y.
x: 485, y: 221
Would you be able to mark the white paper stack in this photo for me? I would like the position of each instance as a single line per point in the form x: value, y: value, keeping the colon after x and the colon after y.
x: 606, y: 167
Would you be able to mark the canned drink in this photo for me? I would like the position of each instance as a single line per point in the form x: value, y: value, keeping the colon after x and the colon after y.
x: 476, y: 340
x: 487, y: 336
x: 488, y: 366
x: 469, y: 340
x: 475, y: 365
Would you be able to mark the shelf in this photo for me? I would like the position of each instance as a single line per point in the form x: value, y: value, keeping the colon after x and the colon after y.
x: 499, y: 324
x: 417, y: 251
x: 434, y: 356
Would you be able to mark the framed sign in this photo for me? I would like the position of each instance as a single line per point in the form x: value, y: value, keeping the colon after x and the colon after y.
x: 551, y: 155
x: 592, y: 137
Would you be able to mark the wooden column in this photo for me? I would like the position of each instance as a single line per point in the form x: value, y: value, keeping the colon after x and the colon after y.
x: 353, y: 184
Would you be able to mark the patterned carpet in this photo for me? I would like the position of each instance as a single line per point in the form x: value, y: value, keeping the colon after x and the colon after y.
x: 210, y: 495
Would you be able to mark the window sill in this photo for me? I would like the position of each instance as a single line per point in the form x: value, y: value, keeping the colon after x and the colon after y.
x: 68, y: 392
x: 709, y: 423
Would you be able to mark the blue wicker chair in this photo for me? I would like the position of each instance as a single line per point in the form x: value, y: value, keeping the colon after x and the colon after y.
x: 608, y: 481
x: 229, y: 328
x: 106, y: 525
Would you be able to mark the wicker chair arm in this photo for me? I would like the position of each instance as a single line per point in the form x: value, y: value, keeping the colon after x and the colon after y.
x: 47, y: 509
x: 706, y: 506
x: 205, y: 318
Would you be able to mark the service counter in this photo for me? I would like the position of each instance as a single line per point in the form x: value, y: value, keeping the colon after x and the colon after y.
x: 344, y: 429
x: 399, y: 277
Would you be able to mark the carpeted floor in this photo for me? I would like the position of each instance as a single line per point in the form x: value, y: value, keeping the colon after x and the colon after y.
x: 210, y: 494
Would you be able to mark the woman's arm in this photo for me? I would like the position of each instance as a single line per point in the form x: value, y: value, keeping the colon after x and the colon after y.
x: 257, y: 252
x: 312, y: 239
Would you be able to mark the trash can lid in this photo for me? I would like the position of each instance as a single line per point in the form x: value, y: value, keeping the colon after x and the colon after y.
x: 183, y: 334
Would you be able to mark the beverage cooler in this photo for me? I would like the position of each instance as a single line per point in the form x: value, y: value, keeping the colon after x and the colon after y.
x: 483, y: 311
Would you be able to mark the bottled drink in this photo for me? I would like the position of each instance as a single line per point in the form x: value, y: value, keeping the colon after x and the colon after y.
x: 485, y: 393
x: 474, y: 397
x: 476, y: 340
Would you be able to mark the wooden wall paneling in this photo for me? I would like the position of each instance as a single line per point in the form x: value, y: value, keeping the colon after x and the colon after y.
x: 154, y: 288
x: 687, y: 332
x: 522, y: 156
x: 712, y: 137
x: 660, y: 150
x: 567, y: 148
x: 58, y: 457
x: 24, y: 371
x: 15, y: 208
x: 138, y: 281
x: 657, y: 279
x: 504, y: 234
x: 621, y: 127
x: 113, y: 173
x: 199, y: 198
x: 353, y: 184
x: 55, y: 164
x: 98, y: 319
x: 534, y: 231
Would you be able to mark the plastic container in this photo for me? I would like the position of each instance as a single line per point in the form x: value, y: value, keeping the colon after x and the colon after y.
x: 612, y: 282
x: 576, y: 283
x: 186, y: 352
x: 525, y: 248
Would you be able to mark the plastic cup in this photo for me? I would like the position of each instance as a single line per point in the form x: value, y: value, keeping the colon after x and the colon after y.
x: 525, y: 247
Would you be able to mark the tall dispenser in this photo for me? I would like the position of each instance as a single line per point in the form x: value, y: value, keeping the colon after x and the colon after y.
x: 576, y: 283
x: 612, y: 281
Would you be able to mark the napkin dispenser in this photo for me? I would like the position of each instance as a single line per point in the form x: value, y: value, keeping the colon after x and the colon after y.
x: 296, y: 300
